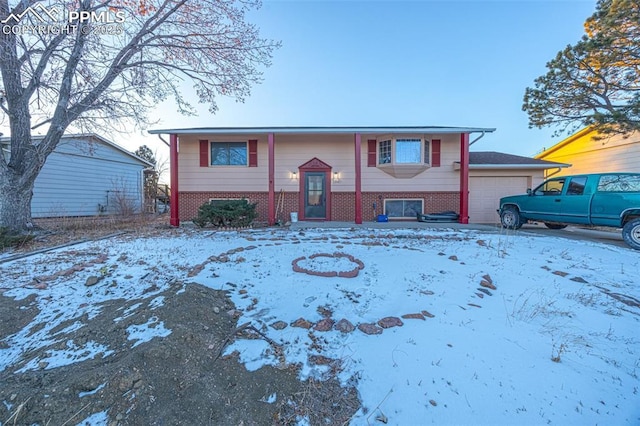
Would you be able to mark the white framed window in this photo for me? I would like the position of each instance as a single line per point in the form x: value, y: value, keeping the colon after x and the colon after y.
x: 408, y: 151
x: 229, y: 153
x: 384, y: 152
x: 404, y: 151
x: 403, y: 208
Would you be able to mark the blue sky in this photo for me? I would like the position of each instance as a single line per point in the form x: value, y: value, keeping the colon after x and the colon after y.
x: 441, y: 63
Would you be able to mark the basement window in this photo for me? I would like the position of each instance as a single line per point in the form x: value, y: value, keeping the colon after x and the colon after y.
x: 403, y: 208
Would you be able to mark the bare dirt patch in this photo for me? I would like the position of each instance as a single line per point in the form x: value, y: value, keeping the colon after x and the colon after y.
x: 180, y: 379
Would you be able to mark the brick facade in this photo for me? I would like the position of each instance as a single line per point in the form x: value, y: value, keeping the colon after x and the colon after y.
x: 342, y: 203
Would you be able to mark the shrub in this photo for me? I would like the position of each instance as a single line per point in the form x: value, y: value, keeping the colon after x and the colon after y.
x: 8, y: 239
x: 231, y: 213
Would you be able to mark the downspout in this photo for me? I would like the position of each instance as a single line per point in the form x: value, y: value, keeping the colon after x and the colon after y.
x: 477, y: 139
x: 165, y: 142
x: 548, y: 175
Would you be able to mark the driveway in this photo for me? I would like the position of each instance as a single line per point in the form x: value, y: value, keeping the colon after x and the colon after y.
x: 601, y: 235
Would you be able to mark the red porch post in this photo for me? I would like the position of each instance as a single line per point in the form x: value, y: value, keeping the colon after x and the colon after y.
x: 464, y: 178
x: 358, y: 151
x: 174, y: 219
x: 271, y: 202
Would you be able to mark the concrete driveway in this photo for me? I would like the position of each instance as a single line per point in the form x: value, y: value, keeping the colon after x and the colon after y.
x: 606, y: 236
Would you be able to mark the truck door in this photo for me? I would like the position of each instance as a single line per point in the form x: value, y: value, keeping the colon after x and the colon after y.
x: 545, y: 201
x: 575, y: 203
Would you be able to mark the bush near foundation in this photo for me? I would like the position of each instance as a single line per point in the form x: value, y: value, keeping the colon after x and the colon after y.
x: 226, y: 213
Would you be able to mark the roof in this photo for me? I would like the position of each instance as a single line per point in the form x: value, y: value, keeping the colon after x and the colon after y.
x: 497, y: 160
x: 322, y: 129
x: 6, y: 140
x: 564, y: 142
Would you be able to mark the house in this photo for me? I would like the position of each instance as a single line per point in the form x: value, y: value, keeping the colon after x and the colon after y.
x: 330, y: 173
x: 590, y: 152
x: 87, y: 175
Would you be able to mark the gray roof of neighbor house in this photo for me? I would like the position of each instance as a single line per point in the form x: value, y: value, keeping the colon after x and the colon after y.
x: 497, y: 160
x: 5, y: 140
x: 323, y: 129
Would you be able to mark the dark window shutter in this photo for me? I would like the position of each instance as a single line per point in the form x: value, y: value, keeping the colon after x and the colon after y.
x: 253, y: 153
x: 204, y: 153
x: 435, y: 153
x: 371, y: 153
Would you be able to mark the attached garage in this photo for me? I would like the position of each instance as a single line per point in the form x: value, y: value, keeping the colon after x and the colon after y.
x: 493, y: 175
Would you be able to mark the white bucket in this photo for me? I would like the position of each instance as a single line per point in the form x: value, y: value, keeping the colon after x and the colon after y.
x: 294, y: 216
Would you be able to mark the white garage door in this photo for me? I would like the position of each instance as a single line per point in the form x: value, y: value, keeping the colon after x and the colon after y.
x: 485, y: 193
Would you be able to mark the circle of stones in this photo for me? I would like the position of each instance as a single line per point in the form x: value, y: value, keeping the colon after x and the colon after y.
x: 359, y: 265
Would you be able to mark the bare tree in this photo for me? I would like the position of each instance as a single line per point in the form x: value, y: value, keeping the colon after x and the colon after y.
x: 85, y: 64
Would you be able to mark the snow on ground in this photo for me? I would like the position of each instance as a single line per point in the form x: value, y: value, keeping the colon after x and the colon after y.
x: 555, y: 342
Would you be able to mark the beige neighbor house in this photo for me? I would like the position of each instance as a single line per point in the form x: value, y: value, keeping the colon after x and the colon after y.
x: 334, y: 173
x: 589, y: 152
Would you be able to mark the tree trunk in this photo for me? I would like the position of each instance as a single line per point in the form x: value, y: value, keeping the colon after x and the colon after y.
x: 15, y: 202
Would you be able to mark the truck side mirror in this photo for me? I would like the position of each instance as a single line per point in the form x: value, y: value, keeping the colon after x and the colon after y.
x: 529, y: 191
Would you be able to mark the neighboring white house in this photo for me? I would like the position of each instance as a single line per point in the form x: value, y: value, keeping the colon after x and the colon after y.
x: 88, y: 175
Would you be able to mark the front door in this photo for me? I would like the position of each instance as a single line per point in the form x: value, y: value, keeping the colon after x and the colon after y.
x: 315, y: 195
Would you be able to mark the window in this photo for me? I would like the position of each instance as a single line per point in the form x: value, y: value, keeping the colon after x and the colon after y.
x: 619, y: 183
x: 384, y: 148
x: 576, y: 186
x: 228, y: 153
x: 408, y: 151
x: 426, y: 151
x: 402, y: 208
x: 550, y: 187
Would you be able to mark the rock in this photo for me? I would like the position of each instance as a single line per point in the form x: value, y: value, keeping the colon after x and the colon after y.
x: 454, y: 257
x: 414, y: 316
x: 344, y: 326
x: 92, y: 280
x: 428, y: 314
x: 389, y: 322
x: 369, y: 328
x: 487, y: 277
x: 279, y: 325
x: 487, y: 284
x: 325, y: 324
x: 579, y: 280
x: 302, y: 323
x: 216, y: 310
x: 485, y: 291
x: 560, y: 273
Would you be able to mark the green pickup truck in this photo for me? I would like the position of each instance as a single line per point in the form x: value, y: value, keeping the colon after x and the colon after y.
x: 604, y: 199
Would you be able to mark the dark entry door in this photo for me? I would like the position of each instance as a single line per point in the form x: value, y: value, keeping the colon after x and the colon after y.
x: 315, y: 198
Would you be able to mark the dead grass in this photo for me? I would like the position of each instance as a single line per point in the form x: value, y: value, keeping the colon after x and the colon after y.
x: 59, y: 231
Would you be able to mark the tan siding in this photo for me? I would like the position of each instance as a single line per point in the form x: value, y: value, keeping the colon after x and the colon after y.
x: 590, y: 155
x: 292, y: 151
x: 443, y: 178
x: 194, y: 178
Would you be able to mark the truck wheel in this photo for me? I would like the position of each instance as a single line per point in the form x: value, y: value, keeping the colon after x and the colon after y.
x: 631, y: 233
x: 554, y: 225
x: 510, y: 218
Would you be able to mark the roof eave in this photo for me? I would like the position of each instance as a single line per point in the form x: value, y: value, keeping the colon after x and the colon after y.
x: 327, y: 130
